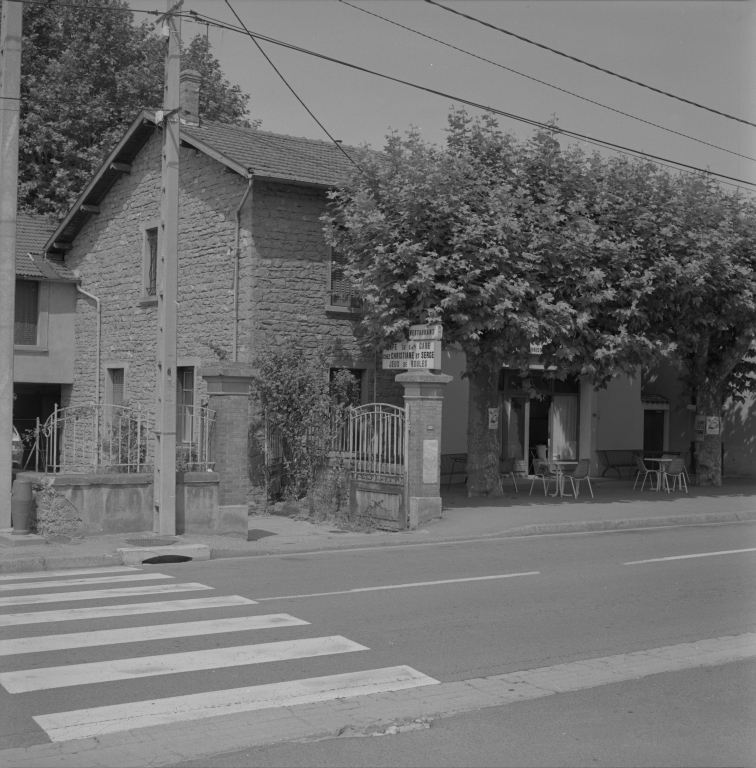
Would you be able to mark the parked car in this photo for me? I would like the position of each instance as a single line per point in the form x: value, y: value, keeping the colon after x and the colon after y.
x: 17, y: 451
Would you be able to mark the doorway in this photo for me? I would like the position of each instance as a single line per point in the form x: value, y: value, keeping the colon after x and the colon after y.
x: 653, y: 431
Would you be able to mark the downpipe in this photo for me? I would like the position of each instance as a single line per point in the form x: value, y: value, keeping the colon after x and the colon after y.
x: 97, y: 355
x: 237, y: 256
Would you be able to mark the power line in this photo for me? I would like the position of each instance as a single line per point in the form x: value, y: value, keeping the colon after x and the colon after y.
x: 286, y: 83
x: 588, y: 64
x: 543, y: 82
x: 526, y: 120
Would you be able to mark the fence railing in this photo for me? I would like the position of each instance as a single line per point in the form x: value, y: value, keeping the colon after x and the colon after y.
x: 115, y: 438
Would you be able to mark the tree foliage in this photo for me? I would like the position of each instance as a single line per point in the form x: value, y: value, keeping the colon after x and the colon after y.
x: 509, y: 242
x: 85, y: 74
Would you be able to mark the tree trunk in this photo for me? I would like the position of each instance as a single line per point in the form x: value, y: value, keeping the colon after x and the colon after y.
x: 483, y: 443
x: 709, y: 451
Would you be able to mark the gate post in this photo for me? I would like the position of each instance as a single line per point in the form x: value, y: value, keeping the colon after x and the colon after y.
x: 228, y: 387
x: 423, y: 401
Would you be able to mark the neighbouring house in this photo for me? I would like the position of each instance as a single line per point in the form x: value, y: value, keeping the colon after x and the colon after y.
x: 44, y: 328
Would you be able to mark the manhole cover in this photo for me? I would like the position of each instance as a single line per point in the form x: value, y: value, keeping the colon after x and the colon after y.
x: 150, y: 542
x: 256, y: 534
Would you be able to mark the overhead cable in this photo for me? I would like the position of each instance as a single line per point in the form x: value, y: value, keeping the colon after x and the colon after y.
x: 543, y: 82
x: 286, y: 83
x: 588, y: 64
x: 193, y: 15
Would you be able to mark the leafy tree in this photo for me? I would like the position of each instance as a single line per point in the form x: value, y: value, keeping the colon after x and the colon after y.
x: 85, y: 74
x: 505, y: 243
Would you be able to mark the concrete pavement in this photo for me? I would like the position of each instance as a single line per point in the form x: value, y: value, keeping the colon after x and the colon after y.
x: 615, y: 506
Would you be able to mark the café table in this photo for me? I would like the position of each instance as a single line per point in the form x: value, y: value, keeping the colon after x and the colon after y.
x: 560, y: 465
x: 662, y: 462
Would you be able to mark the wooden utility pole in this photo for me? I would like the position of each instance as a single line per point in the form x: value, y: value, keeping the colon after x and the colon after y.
x: 10, y: 100
x: 167, y: 293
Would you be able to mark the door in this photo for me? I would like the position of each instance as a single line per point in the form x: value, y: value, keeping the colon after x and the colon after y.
x: 653, y: 431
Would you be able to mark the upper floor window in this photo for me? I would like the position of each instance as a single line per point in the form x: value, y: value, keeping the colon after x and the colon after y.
x: 151, y: 258
x: 26, y: 319
x: 340, y: 291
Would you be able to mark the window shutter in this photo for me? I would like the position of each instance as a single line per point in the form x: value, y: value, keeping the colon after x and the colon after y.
x: 26, y: 312
x: 340, y: 291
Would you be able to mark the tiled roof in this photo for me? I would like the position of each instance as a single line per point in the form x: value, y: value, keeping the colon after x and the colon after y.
x: 654, y: 400
x: 274, y: 155
x: 32, y: 232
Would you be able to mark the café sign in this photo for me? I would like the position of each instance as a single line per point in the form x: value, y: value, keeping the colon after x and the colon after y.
x: 422, y: 351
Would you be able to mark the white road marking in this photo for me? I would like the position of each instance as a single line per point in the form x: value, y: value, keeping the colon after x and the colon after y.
x: 130, y: 609
x: 80, y: 582
x: 44, y: 643
x: 87, y: 723
x: 44, y: 678
x: 66, y: 572
x: 687, y: 557
x: 402, y: 586
x: 101, y: 594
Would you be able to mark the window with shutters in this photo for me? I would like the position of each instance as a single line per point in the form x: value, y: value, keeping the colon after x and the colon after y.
x: 26, y: 319
x: 150, y: 254
x: 341, y: 295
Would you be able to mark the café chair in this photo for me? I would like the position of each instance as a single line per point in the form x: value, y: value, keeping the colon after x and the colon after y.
x: 580, y: 473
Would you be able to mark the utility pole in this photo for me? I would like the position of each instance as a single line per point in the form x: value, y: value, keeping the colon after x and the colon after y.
x: 164, y: 486
x: 10, y: 101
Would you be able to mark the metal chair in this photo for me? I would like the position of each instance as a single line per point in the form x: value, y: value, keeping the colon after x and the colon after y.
x: 580, y: 473
x: 546, y: 473
x: 506, y: 469
x: 675, y: 470
x: 646, y: 472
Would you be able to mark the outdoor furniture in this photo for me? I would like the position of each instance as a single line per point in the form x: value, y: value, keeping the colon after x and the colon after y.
x: 675, y: 470
x: 560, y: 465
x: 453, y: 463
x: 580, y: 473
x: 642, y: 468
x: 543, y: 469
x: 507, y: 469
x: 617, y: 460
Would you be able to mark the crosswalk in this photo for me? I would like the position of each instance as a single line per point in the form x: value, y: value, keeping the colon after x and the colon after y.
x: 108, y: 586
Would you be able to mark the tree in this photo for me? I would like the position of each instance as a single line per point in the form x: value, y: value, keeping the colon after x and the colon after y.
x: 504, y: 243
x: 85, y: 74
x: 703, y: 240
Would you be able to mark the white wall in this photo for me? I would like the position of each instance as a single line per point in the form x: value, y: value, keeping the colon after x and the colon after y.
x: 620, y: 415
x: 454, y: 432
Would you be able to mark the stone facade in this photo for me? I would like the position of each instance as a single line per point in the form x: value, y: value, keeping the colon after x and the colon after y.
x: 283, y: 273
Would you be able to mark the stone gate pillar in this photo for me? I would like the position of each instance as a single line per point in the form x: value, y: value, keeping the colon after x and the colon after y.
x: 228, y: 386
x: 423, y: 400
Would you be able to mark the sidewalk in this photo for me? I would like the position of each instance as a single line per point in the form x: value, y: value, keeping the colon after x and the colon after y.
x: 615, y: 507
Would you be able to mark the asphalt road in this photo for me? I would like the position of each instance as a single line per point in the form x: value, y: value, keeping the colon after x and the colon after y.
x: 580, y: 599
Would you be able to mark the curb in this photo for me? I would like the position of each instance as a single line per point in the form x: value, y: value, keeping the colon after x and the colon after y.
x: 539, y: 529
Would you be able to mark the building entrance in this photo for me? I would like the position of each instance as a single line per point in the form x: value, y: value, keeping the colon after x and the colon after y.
x: 538, y: 418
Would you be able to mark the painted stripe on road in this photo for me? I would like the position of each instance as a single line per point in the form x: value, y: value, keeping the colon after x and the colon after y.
x: 80, y: 582
x: 66, y: 572
x: 687, y: 557
x: 101, y: 594
x: 402, y: 586
x: 131, y: 609
x: 45, y: 643
x: 87, y: 723
x: 44, y: 678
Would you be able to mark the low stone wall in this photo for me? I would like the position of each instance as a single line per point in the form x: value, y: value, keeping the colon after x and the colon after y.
x: 95, y: 504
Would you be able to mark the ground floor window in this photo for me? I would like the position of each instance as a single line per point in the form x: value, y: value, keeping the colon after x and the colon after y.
x: 184, y: 404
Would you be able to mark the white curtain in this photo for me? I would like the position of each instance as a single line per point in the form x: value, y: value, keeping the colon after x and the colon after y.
x: 564, y: 426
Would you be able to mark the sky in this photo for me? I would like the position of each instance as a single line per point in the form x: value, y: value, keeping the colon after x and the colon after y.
x: 696, y: 49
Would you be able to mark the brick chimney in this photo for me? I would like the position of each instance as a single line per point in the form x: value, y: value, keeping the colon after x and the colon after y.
x: 189, y: 96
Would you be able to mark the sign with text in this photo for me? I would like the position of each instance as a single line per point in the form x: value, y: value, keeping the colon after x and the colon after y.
x: 700, y: 428
x: 426, y: 332
x: 412, y: 355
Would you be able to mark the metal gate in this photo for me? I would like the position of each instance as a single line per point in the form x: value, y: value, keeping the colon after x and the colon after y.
x: 373, y: 445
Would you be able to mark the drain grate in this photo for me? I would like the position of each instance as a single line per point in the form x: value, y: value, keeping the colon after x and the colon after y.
x: 150, y: 542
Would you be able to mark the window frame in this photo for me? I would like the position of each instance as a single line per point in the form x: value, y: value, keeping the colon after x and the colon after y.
x: 43, y: 304
x: 330, y: 306
x: 147, y: 298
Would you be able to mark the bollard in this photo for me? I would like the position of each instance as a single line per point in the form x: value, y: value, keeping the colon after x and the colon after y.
x: 21, y: 504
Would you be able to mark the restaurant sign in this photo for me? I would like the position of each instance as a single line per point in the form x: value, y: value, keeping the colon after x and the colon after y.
x: 412, y: 355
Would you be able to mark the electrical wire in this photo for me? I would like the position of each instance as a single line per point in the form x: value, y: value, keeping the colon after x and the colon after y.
x: 543, y: 82
x: 588, y: 64
x: 296, y: 96
x: 194, y: 16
